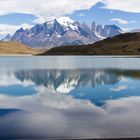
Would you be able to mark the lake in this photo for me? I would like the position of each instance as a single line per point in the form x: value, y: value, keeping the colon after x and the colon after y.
x: 69, y: 97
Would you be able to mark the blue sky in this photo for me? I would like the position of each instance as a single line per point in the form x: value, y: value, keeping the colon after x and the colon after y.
x: 23, y: 13
x: 105, y: 16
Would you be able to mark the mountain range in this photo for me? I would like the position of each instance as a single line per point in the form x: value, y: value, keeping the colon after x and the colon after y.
x: 62, y: 32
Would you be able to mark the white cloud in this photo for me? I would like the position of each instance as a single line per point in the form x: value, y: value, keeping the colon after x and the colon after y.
x: 119, y: 20
x: 122, y: 21
x: 6, y: 29
x: 10, y: 79
x: 44, y: 9
x: 123, y: 5
x: 119, y: 88
x: 49, y: 114
x: 39, y: 20
x: 10, y: 29
x: 127, y: 29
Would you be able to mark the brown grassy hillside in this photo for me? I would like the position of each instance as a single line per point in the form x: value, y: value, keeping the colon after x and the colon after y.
x: 14, y: 48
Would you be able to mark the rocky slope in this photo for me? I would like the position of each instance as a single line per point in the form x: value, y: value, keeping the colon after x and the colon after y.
x: 62, y: 32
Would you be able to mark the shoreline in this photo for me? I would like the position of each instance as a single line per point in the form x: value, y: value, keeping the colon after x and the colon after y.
x: 96, y: 56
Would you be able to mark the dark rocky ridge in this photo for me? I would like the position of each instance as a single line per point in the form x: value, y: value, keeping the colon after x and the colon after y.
x: 124, y: 44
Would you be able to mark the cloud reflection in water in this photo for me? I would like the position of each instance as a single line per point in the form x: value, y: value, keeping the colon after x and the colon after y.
x: 73, y: 113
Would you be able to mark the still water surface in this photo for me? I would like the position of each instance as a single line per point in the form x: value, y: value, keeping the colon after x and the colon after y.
x: 69, y: 97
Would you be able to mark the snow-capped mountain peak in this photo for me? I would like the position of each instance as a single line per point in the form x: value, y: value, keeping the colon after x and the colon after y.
x: 66, y: 21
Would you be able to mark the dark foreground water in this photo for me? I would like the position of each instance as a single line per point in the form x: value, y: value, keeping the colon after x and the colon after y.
x: 69, y: 97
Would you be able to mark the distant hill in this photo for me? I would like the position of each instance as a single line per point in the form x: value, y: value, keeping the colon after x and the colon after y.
x: 11, y: 48
x: 124, y: 44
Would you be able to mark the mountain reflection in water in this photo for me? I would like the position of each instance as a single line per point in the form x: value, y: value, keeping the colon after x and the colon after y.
x: 91, y: 84
x: 69, y: 103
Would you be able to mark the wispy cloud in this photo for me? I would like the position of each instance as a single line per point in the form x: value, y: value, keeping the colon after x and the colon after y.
x: 81, y: 14
x: 44, y: 9
x: 119, y: 20
x: 122, y: 21
x: 10, y: 29
x: 119, y: 88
